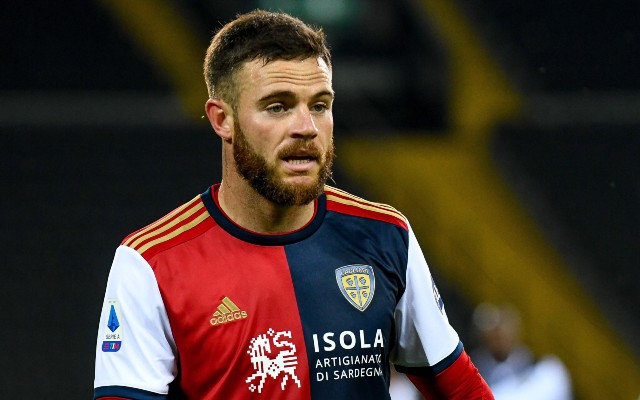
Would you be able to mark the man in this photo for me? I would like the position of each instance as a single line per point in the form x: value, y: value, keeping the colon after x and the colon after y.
x: 271, y: 284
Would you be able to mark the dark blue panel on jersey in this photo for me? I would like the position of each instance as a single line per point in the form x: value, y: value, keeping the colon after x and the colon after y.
x: 349, y: 330
x: 126, y: 393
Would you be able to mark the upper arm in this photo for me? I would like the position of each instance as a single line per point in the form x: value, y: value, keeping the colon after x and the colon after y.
x: 135, y: 347
x: 424, y: 335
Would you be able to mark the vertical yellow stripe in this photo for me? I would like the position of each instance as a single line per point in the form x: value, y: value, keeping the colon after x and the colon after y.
x: 160, y: 30
x: 481, y: 94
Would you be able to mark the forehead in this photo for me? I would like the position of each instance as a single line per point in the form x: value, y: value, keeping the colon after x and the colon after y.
x: 302, y: 76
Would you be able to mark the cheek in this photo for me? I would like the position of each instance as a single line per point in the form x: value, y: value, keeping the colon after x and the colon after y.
x: 326, y: 122
x: 256, y: 134
x: 326, y: 134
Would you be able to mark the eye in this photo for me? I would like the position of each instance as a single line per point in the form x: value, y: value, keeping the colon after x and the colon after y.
x: 276, y: 108
x: 319, y: 107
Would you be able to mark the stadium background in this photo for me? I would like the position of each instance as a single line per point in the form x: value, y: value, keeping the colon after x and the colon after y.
x: 507, y: 132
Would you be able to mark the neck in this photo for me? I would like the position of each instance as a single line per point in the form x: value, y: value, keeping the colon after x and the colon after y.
x: 248, y: 209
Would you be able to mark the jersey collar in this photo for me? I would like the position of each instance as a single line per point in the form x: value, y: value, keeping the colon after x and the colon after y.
x: 209, y: 198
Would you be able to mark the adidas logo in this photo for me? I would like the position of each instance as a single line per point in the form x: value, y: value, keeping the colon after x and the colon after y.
x: 227, y: 312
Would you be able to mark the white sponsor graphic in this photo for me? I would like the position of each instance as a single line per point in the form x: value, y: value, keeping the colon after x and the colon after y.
x: 272, y: 356
x: 348, y: 367
x: 347, y: 340
x: 352, y: 366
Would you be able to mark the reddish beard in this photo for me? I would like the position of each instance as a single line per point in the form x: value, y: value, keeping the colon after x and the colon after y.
x: 264, y: 178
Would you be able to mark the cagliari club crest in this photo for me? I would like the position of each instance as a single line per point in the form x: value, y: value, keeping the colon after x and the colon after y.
x: 357, y: 283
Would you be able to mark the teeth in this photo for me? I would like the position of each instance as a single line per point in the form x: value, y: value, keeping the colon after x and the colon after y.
x: 299, y: 161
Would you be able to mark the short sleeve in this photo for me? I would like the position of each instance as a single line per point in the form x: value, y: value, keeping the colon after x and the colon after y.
x: 424, y: 335
x: 135, y: 348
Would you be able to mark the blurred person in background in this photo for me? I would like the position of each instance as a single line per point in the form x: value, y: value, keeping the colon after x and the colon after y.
x: 508, y: 366
x: 401, y: 388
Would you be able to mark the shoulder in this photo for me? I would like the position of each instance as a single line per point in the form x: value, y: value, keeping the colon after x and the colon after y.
x: 180, y: 225
x: 346, y: 203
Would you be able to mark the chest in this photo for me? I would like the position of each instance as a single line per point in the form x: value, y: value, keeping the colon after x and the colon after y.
x: 321, y: 305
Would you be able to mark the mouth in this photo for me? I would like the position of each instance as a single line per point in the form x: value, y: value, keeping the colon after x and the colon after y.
x: 300, y: 165
x: 300, y: 155
x: 299, y: 160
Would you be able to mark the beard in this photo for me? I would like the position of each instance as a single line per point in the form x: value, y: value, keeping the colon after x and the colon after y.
x: 264, y: 178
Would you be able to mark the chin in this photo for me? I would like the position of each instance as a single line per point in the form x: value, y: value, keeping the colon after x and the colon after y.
x: 298, y: 191
x: 301, y: 181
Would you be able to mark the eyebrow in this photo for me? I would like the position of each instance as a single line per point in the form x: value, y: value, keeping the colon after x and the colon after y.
x: 289, y: 95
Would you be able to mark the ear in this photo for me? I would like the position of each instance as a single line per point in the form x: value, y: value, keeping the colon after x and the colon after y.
x: 220, y: 117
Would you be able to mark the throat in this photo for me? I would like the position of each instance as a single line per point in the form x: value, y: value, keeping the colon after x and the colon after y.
x: 254, y: 213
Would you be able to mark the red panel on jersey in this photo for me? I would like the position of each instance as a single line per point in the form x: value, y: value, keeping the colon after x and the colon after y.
x: 460, y: 381
x: 210, y: 299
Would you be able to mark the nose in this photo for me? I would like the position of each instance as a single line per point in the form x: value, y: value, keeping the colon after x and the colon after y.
x: 304, y: 123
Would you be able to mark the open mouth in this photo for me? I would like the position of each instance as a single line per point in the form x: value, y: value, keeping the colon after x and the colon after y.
x: 299, y: 160
x: 300, y: 157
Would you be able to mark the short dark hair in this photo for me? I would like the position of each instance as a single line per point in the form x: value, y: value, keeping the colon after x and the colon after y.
x: 258, y: 35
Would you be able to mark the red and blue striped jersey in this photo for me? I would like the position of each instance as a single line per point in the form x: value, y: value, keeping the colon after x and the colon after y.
x: 197, y: 307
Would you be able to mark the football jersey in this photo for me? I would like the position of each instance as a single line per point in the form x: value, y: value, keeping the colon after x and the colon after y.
x: 198, y: 307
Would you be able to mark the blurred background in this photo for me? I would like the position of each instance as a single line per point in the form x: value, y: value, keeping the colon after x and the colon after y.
x: 508, y: 133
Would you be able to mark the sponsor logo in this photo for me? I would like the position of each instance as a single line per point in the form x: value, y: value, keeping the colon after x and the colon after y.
x: 272, y: 355
x: 113, y: 333
x: 357, y: 283
x: 436, y: 296
x: 227, y: 312
x: 347, y: 340
x: 348, y: 355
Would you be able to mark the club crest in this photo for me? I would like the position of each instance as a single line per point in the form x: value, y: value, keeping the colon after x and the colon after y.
x: 357, y: 283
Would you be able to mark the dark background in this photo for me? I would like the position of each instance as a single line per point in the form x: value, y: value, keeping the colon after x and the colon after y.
x: 94, y: 144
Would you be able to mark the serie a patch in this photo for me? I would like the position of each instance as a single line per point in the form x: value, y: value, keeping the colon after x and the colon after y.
x: 112, y: 338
